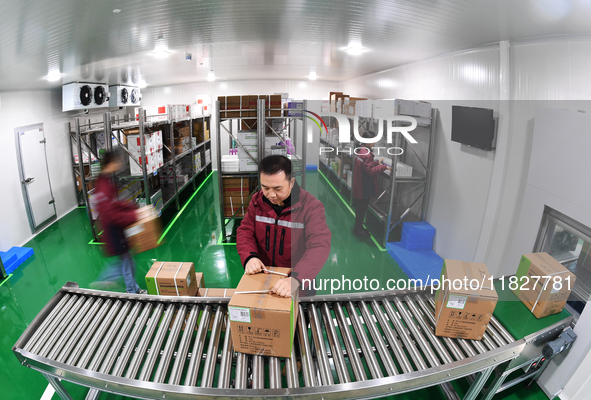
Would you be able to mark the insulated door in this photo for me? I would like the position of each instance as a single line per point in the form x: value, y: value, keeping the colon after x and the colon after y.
x: 34, y: 175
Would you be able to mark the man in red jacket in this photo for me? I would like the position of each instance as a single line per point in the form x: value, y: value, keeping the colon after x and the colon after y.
x: 115, y: 215
x: 284, y: 226
x: 365, y: 183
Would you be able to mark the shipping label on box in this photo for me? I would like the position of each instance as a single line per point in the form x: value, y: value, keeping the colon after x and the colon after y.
x: 544, y: 284
x: 172, y: 279
x: 263, y: 324
x: 465, y: 301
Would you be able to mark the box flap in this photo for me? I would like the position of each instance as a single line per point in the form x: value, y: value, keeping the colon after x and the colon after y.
x: 465, y: 272
x: 261, y: 301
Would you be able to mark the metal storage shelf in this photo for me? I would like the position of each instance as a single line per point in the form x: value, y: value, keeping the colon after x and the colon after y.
x: 393, y: 188
x: 261, y: 123
x: 112, y: 126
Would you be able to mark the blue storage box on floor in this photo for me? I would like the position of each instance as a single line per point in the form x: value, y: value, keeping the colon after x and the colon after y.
x: 14, y: 257
x: 417, y: 235
x: 417, y: 264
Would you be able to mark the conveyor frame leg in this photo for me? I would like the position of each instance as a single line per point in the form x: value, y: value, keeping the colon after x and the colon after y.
x: 57, y: 385
x: 501, y: 374
x: 478, y: 384
x: 93, y: 394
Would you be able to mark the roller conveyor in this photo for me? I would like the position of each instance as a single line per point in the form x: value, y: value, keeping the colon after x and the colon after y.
x: 351, y: 346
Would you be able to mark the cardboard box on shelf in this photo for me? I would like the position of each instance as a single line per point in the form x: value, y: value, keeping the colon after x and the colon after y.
x: 275, y: 105
x: 185, y: 131
x: 244, y: 105
x: 222, y: 100
x: 248, y: 137
x: 464, y: 312
x: 89, y: 184
x: 236, y: 187
x: 251, y: 149
x: 172, y: 279
x: 262, y: 324
x: 544, y: 284
x: 233, y: 103
x: 144, y: 234
x: 247, y: 165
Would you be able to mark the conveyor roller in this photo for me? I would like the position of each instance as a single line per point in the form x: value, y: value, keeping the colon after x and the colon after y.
x: 345, y: 346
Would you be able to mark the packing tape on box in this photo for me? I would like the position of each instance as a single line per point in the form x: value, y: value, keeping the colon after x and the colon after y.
x: 156, y: 279
x: 175, y: 284
x: 544, y: 287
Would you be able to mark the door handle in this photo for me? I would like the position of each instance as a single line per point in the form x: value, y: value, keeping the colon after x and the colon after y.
x: 28, y: 180
x: 52, y: 201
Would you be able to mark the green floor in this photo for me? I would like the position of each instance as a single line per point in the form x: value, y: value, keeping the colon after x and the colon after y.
x: 62, y: 254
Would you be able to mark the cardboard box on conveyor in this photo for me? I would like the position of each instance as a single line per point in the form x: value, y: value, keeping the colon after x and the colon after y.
x: 465, y: 301
x: 262, y: 324
x: 167, y: 278
x: 543, y: 284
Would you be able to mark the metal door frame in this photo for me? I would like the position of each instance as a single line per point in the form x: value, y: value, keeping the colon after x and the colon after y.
x: 21, y: 171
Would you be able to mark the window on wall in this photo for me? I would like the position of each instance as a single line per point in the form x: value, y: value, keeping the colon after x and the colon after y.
x: 569, y: 242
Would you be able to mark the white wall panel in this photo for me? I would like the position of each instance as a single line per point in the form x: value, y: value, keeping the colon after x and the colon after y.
x: 298, y: 90
x: 461, y: 175
x: 27, y: 108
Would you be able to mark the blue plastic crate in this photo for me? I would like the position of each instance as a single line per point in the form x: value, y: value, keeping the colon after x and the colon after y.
x: 406, y: 238
x: 417, y: 264
x: 15, y: 257
x: 418, y: 229
x: 417, y: 245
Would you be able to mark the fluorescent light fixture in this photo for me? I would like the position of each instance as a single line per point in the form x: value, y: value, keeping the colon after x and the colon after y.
x: 312, y: 76
x: 211, y: 76
x: 116, y: 11
x: 161, y: 49
x: 53, y: 76
x: 355, y: 49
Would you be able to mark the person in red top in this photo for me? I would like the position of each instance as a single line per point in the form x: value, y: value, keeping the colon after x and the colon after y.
x: 115, y: 215
x: 284, y: 226
x: 365, y: 182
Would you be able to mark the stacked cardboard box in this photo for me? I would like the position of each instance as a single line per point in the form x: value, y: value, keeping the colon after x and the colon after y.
x: 207, y: 156
x: 167, y: 174
x: 262, y: 324
x: 236, y: 192
x: 464, y: 312
x: 153, y: 159
x: 182, y: 144
x: 167, y: 278
x: 130, y: 190
x: 201, y: 130
x: 544, y: 284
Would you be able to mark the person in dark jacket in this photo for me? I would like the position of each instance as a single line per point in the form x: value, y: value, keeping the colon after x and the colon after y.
x: 115, y: 215
x: 365, y: 182
x: 284, y: 226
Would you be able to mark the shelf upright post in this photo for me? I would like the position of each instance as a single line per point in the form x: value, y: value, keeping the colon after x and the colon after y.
x: 173, y: 155
x: 144, y: 165
x: 193, y: 169
x: 83, y: 177
x: 261, y: 125
x: 107, y: 128
x: 432, y: 130
x: 393, y: 188
x: 219, y: 166
x: 304, y: 145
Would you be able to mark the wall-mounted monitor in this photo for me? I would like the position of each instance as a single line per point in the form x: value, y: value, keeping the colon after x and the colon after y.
x: 473, y: 126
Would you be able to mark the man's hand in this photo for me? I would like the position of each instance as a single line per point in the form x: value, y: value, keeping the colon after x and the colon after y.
x: 254, y: 266
x: 285, y: 286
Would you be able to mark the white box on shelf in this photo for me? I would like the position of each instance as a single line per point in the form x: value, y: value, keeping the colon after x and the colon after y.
x: 248, y: 166
x: 248, y: 137
x: 403, y: 170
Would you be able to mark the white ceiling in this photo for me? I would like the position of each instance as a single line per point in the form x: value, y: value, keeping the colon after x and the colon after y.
x: 257, y: 39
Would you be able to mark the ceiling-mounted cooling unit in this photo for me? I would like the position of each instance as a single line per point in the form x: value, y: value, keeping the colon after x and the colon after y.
x: 124, y: 96
x: 81, y: 96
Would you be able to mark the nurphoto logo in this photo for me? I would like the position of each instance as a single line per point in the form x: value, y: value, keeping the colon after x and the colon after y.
x: 345, y: 129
